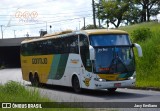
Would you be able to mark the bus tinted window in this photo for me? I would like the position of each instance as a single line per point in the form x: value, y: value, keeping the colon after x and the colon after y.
x: 109, y: 40
x: 51, y: 46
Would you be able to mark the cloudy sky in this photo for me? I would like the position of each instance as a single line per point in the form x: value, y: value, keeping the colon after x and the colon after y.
x: 19, y: 17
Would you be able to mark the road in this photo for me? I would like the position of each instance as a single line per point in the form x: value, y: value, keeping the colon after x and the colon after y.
x: 65, y: 94
x: 11, y: 74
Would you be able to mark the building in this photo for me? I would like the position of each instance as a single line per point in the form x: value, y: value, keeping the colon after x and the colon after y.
x: 10, y: 52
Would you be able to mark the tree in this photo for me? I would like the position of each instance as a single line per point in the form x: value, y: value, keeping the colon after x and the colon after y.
x: 90, y: 27
x: 133, y: 15
x: 112, y: 11
x: 127, y: 11
x: 149, y: 8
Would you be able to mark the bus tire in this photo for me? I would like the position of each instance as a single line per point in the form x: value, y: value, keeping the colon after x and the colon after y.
x: 112, y: 90
x: 36, y: 80
x: 31, y: 79
x: 75, y: 84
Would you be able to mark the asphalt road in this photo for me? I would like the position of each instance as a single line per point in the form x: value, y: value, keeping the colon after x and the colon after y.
x: 11, y: 75
x: 65, y: 94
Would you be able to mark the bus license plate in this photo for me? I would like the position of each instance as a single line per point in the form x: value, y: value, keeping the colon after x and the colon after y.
x: 117, y: 85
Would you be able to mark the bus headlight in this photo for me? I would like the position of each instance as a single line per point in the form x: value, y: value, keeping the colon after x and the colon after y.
x: 100, y: 80
x: 132, y: 77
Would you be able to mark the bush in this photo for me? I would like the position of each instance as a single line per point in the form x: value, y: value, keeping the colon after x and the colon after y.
x: 141, y: 34
x: 13, y: 88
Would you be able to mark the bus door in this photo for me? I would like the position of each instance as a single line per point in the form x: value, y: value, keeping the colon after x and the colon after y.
x: 86, y: 66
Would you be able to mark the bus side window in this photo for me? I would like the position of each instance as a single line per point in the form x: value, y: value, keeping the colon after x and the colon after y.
x: 73, y: 44
x: 24, y: 49
x: 84, y: 52
x: 30, y: 48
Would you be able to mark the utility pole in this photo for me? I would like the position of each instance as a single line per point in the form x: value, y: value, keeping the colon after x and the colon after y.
x: 2, y: 31
x: 84, y: 23
x: 99, y: 21
x: 79, y: 25
x: 46, y: 25
x: 94, y: 18
x: 14, y: 33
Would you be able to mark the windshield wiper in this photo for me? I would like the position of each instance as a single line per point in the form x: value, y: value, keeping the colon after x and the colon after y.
x: 115, y: 62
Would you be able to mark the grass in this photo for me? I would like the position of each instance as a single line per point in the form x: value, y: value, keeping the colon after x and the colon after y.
x: 148, y: 67
x: 15, y: 92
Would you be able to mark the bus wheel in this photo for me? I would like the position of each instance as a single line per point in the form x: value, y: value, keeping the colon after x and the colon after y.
x: 36, y: 80
x: 112, y: 90
x: 31, y: 79
x: 75, y: 84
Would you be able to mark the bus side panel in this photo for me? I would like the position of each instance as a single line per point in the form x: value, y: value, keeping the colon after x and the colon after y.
x: 39, y: 64
x: 58, y: 66
x: 57, y: 70
x: 64, y: 66
x: 73, y: 68
x: 88, y: 81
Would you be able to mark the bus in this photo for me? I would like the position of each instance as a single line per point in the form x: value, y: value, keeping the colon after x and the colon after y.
x: 87, y: 59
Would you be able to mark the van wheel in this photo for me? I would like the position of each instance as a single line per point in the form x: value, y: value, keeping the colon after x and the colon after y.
x: 112, y: 90
x: 76, y: 85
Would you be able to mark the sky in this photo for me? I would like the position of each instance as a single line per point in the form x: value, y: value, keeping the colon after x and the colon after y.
x: 19, y: 17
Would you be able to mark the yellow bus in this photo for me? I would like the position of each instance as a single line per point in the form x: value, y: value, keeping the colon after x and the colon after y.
x: 86, y: 59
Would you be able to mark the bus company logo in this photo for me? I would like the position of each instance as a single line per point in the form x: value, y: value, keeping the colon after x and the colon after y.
x: 6, y: 105
x: 26, y: 16
x: 39, y: 60
x: 74, y: 61
x: 87, y: 80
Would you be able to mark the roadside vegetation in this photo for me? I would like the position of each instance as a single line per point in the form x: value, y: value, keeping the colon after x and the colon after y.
x: 147, y: 67
x: 15, y: 92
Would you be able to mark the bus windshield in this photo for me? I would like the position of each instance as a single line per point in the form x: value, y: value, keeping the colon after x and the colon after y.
x: 114, y: 54
x: 109, y: 40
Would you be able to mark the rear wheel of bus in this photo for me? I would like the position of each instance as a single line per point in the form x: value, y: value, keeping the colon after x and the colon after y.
x: 31, y: 78
x: 76, y: 85
x: 34, y: 79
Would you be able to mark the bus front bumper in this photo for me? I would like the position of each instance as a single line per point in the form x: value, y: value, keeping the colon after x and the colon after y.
x: 114, y: 84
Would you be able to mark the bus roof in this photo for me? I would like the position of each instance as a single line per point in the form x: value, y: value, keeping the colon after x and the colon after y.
x: 104, y: 31
x: 69, y: 32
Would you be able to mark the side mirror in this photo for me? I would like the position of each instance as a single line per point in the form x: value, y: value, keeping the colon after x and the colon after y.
x: 139, y: 49
x: 91, y: 52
